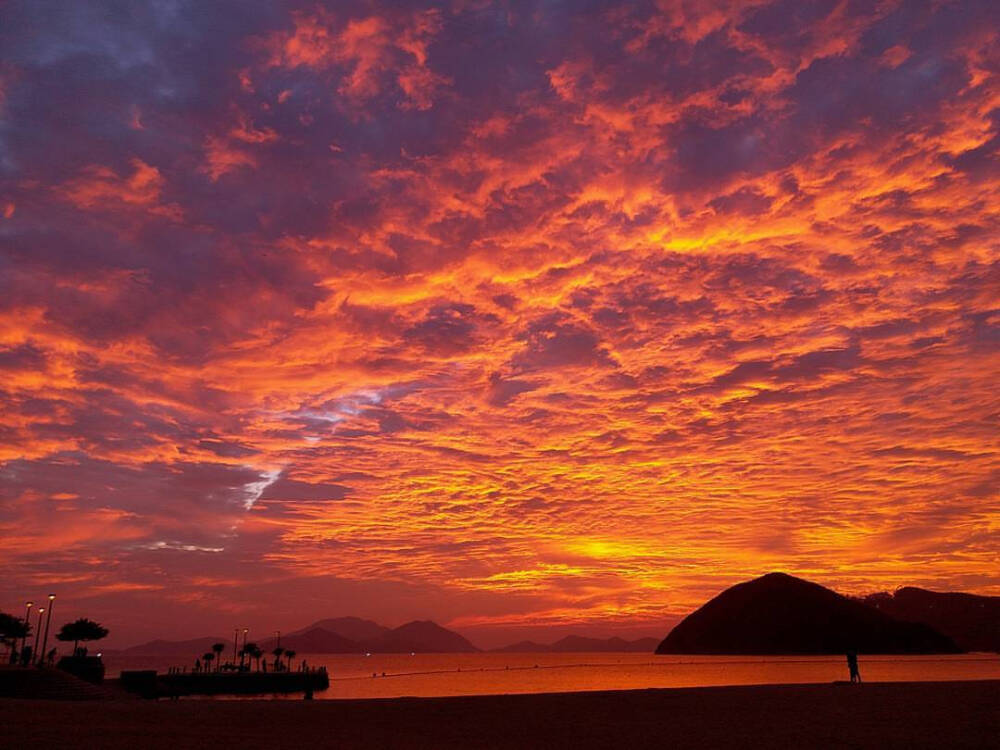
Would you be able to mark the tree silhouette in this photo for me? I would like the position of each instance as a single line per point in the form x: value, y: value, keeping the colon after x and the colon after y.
x: 277, y: 657
x: 81, y: 630
x: 207, y: 658
x: 253, y: 652
x: 218, y: 648
x: 290, y: 654
x: 13, y: 629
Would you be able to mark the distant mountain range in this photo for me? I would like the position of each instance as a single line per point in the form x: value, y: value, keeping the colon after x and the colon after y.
x: 774, y: 614
x: 351, y: 635
x: 781, y: 614
x: 580, y: 644
x: 354, y: 635
x: 971, y: 621
x: 160, y: 649
x: 342, y: 635
x: 352, y: 628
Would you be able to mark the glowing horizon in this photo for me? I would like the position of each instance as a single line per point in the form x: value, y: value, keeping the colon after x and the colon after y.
x: 507, y: 315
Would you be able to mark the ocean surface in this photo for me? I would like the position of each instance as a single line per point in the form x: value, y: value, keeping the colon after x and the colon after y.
x: 427, y: 675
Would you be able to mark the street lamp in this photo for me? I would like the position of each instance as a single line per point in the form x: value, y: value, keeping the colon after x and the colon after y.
x: 277, y: 645
x: 48, y: 619
x: 38, y: 630
x: 243, y: 653
x: 236, y: 637
x: 27, y: 623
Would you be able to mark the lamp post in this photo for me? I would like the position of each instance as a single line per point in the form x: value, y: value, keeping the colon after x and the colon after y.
x: 27, y: 623
x: 243, y: 653
x: 236, y: 637
x: 38, y: 630
x: 48, y: 619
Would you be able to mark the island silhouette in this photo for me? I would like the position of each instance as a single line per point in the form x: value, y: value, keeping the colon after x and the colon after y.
x: 781, y: 614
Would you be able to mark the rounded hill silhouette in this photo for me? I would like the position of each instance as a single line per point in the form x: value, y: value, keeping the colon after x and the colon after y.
x: 421, y: 636
x: 781, y: 614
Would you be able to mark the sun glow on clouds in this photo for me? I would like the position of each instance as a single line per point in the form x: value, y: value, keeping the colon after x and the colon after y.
x: 541, y: 314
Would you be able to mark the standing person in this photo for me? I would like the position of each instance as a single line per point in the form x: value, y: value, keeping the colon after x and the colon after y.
x: 852, y: 665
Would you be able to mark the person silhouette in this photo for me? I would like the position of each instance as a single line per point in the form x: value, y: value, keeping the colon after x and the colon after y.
x: 852, y: 665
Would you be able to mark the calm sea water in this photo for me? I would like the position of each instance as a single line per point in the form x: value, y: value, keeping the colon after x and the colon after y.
x: 426, y: 675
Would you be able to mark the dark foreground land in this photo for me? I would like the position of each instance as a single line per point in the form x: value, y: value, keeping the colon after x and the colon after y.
x: 874, y: 715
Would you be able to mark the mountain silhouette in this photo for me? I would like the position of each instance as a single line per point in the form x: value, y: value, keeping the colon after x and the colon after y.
x: 972, y: 621
x: 351, y: 628
x: 416, y: 637
x: 780, y: 614
x: 581, y: 644
x: 420, y: 636
x: 324, y: 637
x: 578, y: 643
x: 161, y: 649
x: 524, y: 647
x: 315, y: 641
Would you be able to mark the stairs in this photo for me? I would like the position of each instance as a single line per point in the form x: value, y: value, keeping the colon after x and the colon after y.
x: 48, y: 684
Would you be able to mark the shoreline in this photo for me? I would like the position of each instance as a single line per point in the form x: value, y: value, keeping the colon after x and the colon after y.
x: 889, y: 714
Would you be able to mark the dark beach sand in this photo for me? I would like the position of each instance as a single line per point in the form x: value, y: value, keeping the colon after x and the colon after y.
x: 875, y: 715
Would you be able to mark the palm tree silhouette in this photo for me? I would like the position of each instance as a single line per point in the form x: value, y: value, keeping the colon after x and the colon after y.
x: 254, y: 652
x: 290, y: 654
x: 207, y: 658
x: 13, y: 629
x: 81, y: 630
x: 278, y: 651
x: 218, y: 648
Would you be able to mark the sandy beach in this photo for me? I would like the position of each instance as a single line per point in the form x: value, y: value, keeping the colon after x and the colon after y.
x: 904, y: 715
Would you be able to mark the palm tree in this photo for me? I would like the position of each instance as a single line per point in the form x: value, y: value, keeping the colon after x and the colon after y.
x: 290, y: 654
x: 278, y: 651
x: 251, y: 651
x: 207, y: 658
x: 218, y: 648
x: 12, y: 629
x: 81, y: 630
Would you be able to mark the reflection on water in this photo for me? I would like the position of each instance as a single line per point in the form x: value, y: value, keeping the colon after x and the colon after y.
x: 482, y: 674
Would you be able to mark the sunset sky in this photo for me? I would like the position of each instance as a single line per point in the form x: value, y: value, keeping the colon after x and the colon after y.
x: 526, y: 317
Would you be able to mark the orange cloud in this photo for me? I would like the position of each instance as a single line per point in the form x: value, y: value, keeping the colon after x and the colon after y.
x: 664, y: 298
x: 221, y: 157
x: 101, y: 188
x: 369, y: 50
